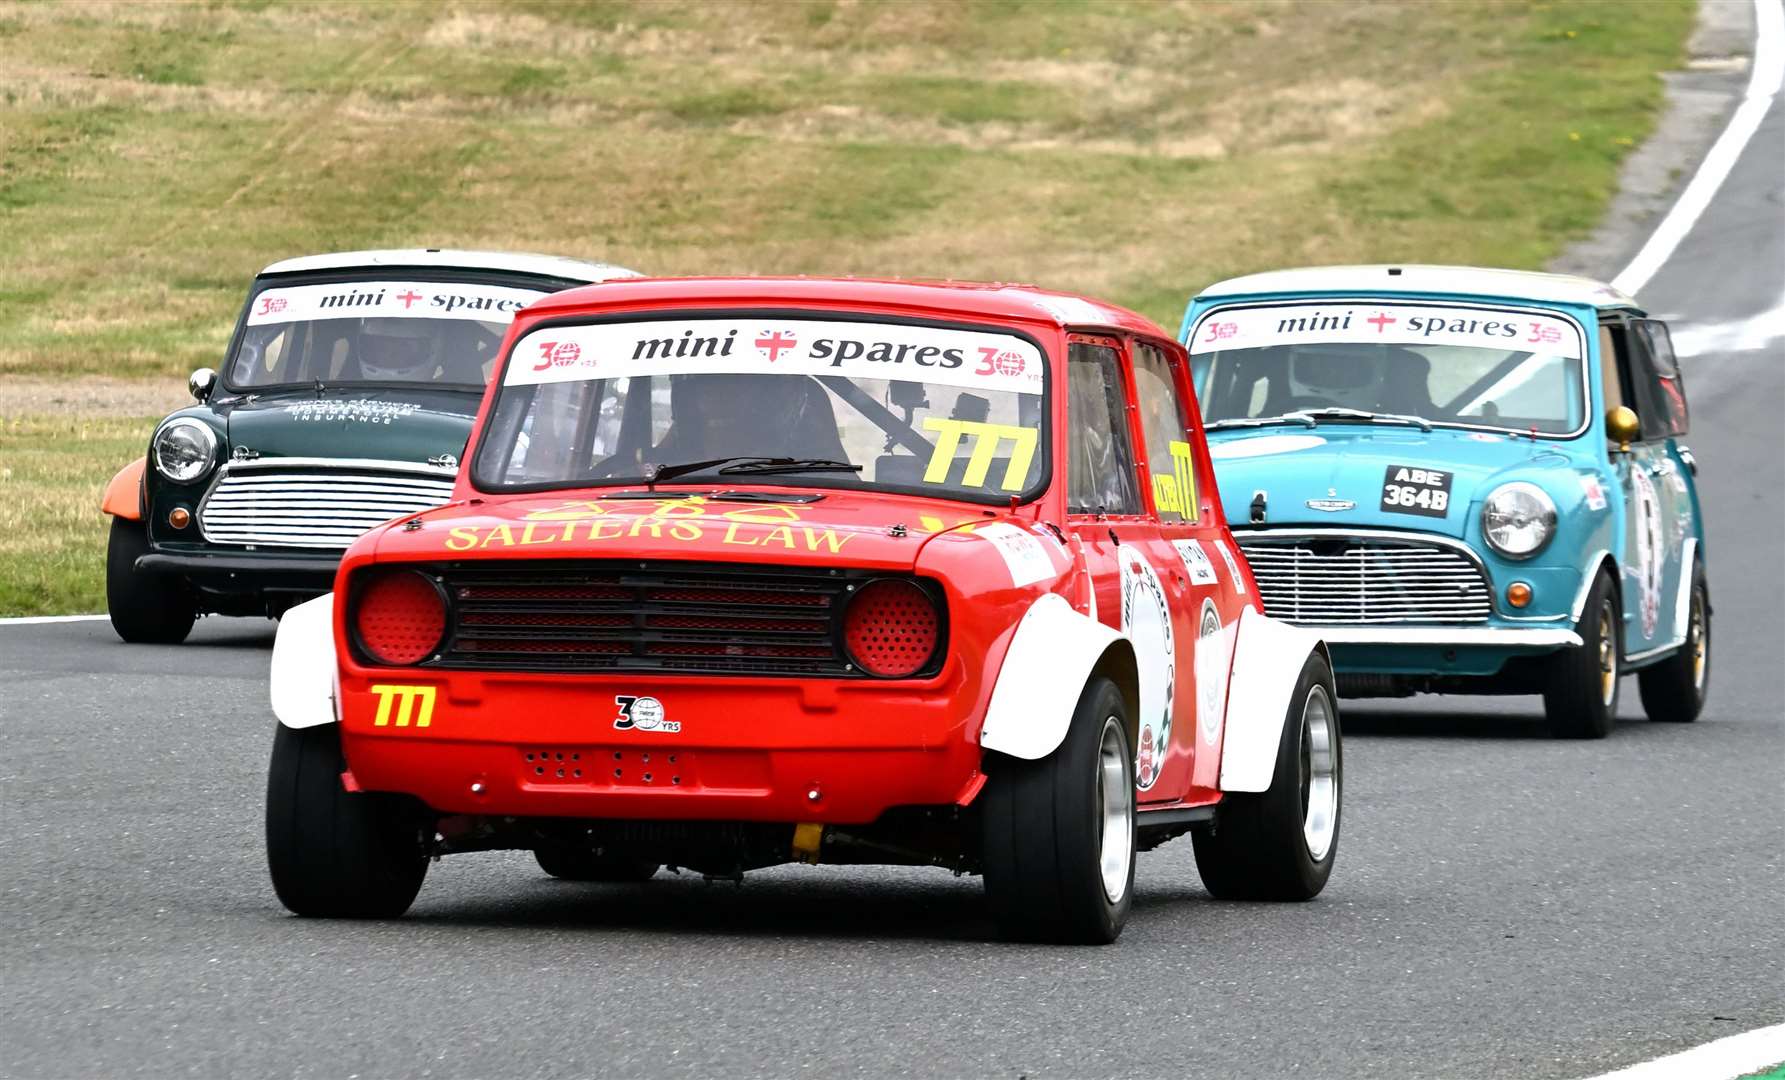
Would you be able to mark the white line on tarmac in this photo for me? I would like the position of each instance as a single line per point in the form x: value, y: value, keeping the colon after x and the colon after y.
x: 1763, y: 86
x: 1735, y: 1055
x: 34, y: 620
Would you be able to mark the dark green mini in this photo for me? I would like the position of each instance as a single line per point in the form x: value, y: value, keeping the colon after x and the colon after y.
x: 345, y: 400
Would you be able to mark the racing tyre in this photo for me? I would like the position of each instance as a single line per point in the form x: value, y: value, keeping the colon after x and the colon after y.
x: 581, y: 864
x: 1279, y: 844
x: 148, y: 609
x: 1675, y: 688
x: 1057, y: 834
x: 335, y: 853
x: 1580, y: 699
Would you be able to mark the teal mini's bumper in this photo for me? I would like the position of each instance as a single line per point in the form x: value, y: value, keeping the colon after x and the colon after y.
x: 1438, y: 651
x: 1395, y: 602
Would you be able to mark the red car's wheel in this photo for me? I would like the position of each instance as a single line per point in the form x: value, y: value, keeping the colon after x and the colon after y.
x: 1057, y: 834
x: 1279, y: 844
x: 335, y: 853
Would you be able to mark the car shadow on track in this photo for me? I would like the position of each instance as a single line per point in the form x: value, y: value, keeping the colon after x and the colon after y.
x: 1475, y: 725
x: 860, y: 906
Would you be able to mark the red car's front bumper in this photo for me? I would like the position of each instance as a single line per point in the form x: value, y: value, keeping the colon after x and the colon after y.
x: 779, y: 750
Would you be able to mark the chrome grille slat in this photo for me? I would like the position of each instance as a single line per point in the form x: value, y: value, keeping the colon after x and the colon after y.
x: 312, y: 507
x: 1360, y: 580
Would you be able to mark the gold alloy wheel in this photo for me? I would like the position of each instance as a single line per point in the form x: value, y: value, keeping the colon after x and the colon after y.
x: 1697, y: 641
x: 1608, y: 655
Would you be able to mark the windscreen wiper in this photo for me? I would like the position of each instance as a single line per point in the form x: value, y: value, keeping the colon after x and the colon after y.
x: 661, y: 474
x: 658, y: 474
x: 1260, y: 421
x: 1338, y: 413
x: 764, y: 466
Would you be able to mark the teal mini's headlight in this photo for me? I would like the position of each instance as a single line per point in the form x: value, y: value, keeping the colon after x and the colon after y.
x: 1518, y: 519
x: 185, y: 449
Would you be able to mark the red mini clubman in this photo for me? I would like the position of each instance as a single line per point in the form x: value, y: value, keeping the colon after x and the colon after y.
x: 743, y: 572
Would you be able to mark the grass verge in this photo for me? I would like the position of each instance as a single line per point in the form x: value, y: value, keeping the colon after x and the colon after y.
x: 53, y: 468
x: 153, y: 156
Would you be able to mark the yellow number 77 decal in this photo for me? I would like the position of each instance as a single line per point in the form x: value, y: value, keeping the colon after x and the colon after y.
x: 1176, y: 491
x: 413, y: 702
x: 987, y: 439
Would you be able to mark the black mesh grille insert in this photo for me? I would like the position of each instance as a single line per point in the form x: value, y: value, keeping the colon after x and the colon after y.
x: 641, y: 617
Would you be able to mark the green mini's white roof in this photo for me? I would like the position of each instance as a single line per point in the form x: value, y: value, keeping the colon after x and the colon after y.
x: 1459, y: 280
x: 556, y: 266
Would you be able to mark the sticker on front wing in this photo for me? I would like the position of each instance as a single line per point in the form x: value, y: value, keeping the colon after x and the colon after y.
x: 1233, y: 568
x: 1196, y: 561
x: 1594, y: 492
x: 643, y: 713
x: 1022, y: 552
x: 1409, y: 489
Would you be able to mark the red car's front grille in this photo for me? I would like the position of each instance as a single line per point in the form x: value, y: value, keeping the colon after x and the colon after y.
x: 576, y: 617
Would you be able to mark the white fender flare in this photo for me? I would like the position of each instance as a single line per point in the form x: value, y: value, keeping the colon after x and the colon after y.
x: 1267, y: 661
x: 1051, y: 656
x: 304, y: 673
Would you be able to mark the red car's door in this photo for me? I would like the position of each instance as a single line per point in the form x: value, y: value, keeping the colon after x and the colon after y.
x: 1215, y: 581
x: 1107, y: 518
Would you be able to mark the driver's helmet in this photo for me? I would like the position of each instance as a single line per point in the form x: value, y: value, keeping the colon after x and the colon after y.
x: 1346, y: 375
x: 736, y: 415
x: 396, y: 349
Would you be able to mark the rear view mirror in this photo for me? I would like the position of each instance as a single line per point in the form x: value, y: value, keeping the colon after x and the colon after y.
x: 201, y: 383
x: 907, y: 395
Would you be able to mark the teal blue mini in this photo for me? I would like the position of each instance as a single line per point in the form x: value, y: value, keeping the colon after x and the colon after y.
x: 1468, y: 480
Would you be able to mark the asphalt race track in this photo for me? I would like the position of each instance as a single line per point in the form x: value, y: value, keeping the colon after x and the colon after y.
x: 1504, y: 904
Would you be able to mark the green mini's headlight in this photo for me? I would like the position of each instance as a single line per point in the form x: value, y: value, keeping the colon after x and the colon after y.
x: 185, y: 450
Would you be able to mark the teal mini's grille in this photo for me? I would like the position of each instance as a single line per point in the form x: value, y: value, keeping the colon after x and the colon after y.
x: 1327, y: 581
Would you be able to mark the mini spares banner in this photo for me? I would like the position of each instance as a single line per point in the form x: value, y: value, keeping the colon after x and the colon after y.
x: 1385, y: 323
x: 778, y: 346
x: 389, y: 299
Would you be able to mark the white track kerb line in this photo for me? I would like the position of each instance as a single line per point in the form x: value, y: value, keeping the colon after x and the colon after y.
x: 37, y: 620
x: 1763, y: 87
x: 1735, y: 1056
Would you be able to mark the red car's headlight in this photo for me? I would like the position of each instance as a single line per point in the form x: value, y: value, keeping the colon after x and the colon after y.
x: 891, y: 628
x: 399, y: 617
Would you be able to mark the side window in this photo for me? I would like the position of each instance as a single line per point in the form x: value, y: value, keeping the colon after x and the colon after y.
x: 1100, y: 465
x: 545, y: 447
x: 1173, y: 477
x: 1608, y: 369
x: 1660, y: 383
x: 1635, y: 385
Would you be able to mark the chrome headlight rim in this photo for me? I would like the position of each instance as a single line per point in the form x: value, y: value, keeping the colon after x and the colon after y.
x: 1546, y: 518
x: 206, y: 436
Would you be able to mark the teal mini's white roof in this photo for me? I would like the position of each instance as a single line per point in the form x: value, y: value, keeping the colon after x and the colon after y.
x: 504, y: 261
x: 1459, y: 280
